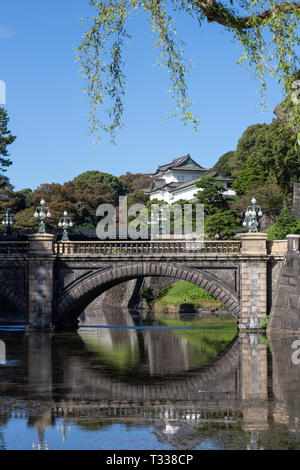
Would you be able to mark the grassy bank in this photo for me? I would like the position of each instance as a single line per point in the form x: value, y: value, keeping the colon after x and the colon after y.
x: 184, y: 294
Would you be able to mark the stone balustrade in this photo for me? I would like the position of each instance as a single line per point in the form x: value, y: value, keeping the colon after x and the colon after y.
x: 13, y: 247
x: 119, y: 248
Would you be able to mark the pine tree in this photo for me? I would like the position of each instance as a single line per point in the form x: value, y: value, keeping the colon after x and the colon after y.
x: 6, y: 138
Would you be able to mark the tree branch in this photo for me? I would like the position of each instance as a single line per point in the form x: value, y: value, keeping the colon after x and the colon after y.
x: 220, y: 14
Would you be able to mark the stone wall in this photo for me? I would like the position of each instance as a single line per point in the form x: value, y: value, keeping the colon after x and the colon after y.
x: 285, y: 312
x: 119, y: 296
x: 273, y: 275
x: 127, y: 294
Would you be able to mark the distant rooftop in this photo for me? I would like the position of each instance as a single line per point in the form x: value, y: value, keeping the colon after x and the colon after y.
x: 181, y: 163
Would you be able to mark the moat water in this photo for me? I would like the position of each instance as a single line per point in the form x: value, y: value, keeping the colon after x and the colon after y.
x: 120, y: 383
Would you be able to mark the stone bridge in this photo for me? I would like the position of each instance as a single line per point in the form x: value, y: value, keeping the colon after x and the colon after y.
x: 51, y: 283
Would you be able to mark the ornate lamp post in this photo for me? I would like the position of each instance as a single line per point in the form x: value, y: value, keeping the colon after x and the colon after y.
x: 41, y: 213
x: 65, y: 222
x: 8, y: 221
x: 251, y: 216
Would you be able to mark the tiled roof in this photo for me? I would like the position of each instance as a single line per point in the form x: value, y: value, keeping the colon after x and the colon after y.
x: 175, y: 164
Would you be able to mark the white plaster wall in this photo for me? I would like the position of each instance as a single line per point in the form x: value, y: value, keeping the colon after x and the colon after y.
x: 186, y: 193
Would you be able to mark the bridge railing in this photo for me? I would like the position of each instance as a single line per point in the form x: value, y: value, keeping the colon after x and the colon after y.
x: 127, y: 248
x: 13, y: 248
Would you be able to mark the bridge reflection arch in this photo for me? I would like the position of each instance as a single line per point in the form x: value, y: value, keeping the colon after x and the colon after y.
x: 74, y: 299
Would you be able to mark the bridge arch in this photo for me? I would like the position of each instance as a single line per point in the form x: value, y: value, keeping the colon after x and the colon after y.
x: 77, y: 297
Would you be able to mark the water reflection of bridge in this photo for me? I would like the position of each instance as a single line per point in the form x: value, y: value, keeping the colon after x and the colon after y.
x: 63, y: 373
x: 49, y: 377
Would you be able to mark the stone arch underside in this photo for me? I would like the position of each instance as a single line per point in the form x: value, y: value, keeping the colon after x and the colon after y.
x: 9, y: 294
x: 75, y: 299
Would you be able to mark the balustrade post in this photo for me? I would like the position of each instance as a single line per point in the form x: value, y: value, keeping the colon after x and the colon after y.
x: 40, y: 286
x: 293, y: 243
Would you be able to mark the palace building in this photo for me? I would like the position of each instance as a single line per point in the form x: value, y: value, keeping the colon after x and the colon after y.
x: 177, y: 180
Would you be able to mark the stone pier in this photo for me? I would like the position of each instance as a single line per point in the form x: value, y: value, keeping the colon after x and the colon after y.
x: 40, y: 280
x: 253, y: 279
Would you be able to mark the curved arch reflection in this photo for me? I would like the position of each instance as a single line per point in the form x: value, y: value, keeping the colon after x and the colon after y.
x: 59, y: 378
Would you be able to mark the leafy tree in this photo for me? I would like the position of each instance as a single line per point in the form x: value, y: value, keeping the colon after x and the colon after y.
x: 212, y: 195
x: 25, y: 196
x: 137, y: 197
x: 269, y: 38
x: 252, y: 175
x: 136, y: 181
x: 100, y: 177
x: 79, y: 199
x: 160, y: 202
x: 6, y: 138
x: 25, y: 221
x: 265, y: 153
x: 269, y: 196
x: 285, y: 224
x: 8, y: 198
x: 86, y: 197
x: 221, y: 224
x: 226, y: 164
x: 264, y: 150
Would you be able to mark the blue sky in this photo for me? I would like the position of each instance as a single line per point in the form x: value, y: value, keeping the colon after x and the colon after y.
x: 48, y: 111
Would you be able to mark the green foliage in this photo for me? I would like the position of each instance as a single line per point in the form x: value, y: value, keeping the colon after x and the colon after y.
x: 269, y: 39
x: 221, y: 224
x: 25, y: 221
x: 160, y: 202
x: 25, y: 197
x: 252, y: 175
x: 100, y: 177
x: 204, y: 344
x: 266, y: 152
x: 265, y: 165
x: 285, y: 224
x: 183, y: 292
x: 270, y: 198
x: 212, y: 195
x: 265, y: 340
x: 219, y: 221
x: 6, y: 138
x: 119, y: 356
x: 136, y: 181
x: 147, y: 294
x: 226, y: 164
x: 8, y: 198
x: 264, y: 322
x: 137, y: 197
x: 80, y: 199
